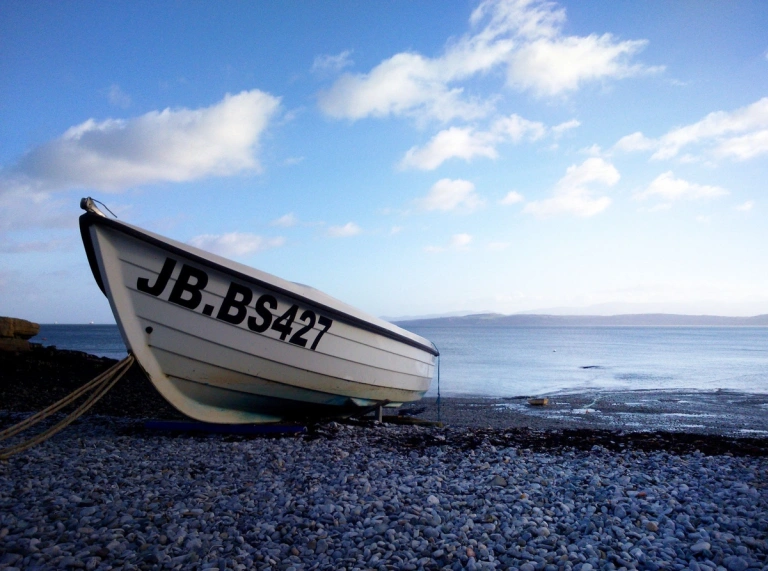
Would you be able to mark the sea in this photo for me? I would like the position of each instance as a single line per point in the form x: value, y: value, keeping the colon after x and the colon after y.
x: 537, y: 360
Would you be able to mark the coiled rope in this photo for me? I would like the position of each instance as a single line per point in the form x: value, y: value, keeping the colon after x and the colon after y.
x: 99, y: 387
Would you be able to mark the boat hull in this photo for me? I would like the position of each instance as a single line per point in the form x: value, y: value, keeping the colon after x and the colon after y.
x: 227, y: 344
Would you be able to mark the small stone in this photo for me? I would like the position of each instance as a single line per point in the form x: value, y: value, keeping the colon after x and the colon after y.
x: 700, y: 546
x: 652, y: 526
x: 498, y: 481
x: 433, y: 500
x: 735, y: 563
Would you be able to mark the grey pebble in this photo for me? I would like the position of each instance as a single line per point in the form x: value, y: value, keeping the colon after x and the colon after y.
x: 102, y: 495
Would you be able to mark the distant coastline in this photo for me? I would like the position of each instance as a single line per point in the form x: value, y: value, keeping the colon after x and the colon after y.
x: 629, y: 320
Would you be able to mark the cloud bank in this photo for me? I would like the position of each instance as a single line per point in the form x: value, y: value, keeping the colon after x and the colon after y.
x: 523, y: 38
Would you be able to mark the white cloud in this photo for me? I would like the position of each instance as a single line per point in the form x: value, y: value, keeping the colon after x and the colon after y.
x: 447, y: 194
x: 332, y: 63
x: 741, y: 134
x: 405, y: 84
x: 467, y: 143
x: 746, y: 206
x: 461, y: 241
x: 457, y: 242
x: 512, y: 197
x: 235, y: 244
x: 286, y: 221
x: 523, y: 36
x: 635, y: 142
x: 558, y: 130
x: 170, y: 145
x: 349, y: 229
x: 668, y: 189
x: 573, y: 194
x: 551, y: 66
x: 593, y: 151
x: 744, y: 147
x: 515, y: 128
x: 459, y: 142
x: 118, y: 97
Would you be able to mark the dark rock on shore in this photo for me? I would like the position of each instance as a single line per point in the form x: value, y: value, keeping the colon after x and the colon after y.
x: 15, y: 334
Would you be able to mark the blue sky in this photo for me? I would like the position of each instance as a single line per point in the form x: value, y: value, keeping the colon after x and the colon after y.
x: 407, y: 158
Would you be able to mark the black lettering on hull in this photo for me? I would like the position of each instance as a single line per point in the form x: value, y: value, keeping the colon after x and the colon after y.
x: 236, y: 306
x: 142, y: 284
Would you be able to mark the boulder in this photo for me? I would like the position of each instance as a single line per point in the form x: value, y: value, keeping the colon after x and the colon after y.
x: 15, y: 333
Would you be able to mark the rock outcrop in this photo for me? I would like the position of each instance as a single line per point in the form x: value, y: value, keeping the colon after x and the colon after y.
x: 15, y: 333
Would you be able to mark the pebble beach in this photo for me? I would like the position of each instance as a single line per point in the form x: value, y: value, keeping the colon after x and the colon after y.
x: 109, y: 494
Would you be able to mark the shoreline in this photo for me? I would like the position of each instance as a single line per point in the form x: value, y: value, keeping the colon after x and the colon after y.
x: 501, y: 486
x: 725, y: 413
x: 32, y: 380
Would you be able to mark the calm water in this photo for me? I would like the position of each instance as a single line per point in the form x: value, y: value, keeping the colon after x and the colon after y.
x: 512, y: 361
x: 101, y: 340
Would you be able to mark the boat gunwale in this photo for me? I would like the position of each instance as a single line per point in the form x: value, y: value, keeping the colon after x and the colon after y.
x: 89, y: 219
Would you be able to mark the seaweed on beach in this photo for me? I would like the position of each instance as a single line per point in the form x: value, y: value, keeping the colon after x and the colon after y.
x: 467, y: 439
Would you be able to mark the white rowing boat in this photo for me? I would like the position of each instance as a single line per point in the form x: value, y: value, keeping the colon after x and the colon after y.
x: 226, y: 343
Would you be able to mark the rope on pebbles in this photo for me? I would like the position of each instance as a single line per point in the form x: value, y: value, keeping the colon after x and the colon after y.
x: 99, y: 387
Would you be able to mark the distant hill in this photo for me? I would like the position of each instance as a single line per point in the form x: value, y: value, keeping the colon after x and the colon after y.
x: 630, y: 320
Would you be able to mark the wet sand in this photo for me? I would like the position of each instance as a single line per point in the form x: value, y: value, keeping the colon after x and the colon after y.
x: 698, y: 412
